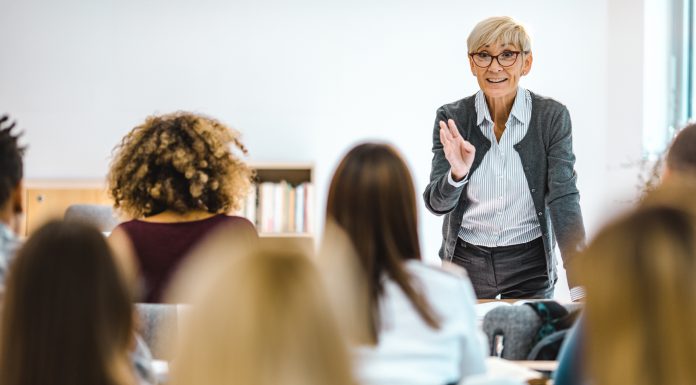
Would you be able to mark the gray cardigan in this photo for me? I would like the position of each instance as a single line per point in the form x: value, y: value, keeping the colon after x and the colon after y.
x: 546, y: 152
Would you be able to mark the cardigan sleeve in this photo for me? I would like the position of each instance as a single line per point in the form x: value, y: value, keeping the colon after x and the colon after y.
x: 563, y: 197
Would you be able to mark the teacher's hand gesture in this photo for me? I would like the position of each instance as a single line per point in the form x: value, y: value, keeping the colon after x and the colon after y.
x: 459, y: 152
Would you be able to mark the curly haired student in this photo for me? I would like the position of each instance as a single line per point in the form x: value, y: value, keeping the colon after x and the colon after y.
x: 176, y: 176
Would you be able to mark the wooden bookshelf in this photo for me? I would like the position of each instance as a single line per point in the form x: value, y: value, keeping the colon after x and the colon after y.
x: 294, y: 174
x: 47, y: 199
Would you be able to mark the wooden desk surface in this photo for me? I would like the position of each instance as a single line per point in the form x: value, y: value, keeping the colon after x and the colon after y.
x: 487, y: 300
x: 542, y: 366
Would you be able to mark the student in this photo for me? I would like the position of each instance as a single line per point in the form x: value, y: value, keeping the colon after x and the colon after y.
x: 263, y: 320
x: 680, y: 161
x: 11, y: 173
x: 640, y: 294
x: 67, y: 316
x: 422, y: 324
x: 680, y: 169
x: 176, y: 176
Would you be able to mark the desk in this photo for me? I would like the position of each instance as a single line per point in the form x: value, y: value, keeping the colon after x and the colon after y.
x: 488, y: 300
x: 541, y: 366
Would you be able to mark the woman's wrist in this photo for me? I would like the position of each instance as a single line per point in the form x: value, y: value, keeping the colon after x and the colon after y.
x: 458, y: 176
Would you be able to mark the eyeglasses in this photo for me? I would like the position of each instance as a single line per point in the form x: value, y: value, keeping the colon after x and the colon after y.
x: 505, y: 59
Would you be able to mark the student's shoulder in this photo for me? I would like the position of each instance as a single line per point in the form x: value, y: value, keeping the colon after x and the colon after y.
x: 237, y: 222
x: 442, y: 284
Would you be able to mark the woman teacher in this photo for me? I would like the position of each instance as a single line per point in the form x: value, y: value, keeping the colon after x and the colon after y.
x: 502, y: 173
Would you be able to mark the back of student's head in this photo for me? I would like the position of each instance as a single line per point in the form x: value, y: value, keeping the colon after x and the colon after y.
x: 180, y: 162
x: 639, y: 273
x: 264, y: 320
x: 681, y: 156
x: 11, y: 168
x: 372, y: 198
x: 67, y: 315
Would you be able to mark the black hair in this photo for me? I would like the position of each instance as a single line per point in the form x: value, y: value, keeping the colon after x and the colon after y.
x: 11, y: 164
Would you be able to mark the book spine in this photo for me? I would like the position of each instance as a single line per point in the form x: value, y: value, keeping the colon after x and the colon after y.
x: 309, y: 207
x: 279, y: 199
x: 250, y: 205
x: 299, y: 209
x: 291, y: 209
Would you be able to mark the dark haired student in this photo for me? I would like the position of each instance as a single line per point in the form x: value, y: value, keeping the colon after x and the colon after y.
x: 67, y: 314
x: 422, y: 323
x: 11, y: 173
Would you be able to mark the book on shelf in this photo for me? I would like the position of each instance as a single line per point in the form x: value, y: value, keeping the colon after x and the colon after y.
x: 279, y: 207
x: 299, y: 206
x: 248, y: 209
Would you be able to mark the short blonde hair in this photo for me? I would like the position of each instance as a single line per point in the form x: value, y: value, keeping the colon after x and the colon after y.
x: 502, y: 29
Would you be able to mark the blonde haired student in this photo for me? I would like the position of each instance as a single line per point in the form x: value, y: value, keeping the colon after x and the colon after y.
x: 639, y: 274
x: 264, y: 320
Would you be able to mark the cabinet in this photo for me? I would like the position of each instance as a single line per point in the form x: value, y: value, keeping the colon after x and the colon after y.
x: 45, y: 200
x: 280, y: 203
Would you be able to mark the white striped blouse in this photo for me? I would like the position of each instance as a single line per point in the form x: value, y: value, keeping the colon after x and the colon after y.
x: 501, y: 211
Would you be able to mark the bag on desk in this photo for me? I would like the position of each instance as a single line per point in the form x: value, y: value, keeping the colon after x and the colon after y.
x: 555, y: 322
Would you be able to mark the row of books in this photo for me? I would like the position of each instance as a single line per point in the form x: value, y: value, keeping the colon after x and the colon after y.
x: 280, y: 207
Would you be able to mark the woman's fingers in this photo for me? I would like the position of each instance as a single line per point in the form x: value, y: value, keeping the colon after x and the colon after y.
x: 444, y: 131
x: 458, y: 151
x: 468, y: 147
x: 453, y: 129
x: 445, y: 138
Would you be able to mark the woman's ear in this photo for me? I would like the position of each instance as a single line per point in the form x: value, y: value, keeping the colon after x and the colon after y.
x: 527, y: 64
x: 472, y: 65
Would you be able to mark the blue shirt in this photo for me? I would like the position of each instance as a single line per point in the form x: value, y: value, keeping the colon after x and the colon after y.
x: 9, y: 243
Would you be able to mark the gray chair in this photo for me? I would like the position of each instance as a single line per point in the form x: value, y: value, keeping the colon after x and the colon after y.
x: 511, y: 330
x: 158, y: 324
x: 100, y: 216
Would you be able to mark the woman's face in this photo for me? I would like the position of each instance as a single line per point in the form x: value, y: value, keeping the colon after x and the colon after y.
x: 496, y: 80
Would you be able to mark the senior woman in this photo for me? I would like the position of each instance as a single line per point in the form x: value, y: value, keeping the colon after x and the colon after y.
x: 502, y: 173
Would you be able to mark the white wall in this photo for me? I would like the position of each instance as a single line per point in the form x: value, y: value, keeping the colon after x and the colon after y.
x: 304, y: 81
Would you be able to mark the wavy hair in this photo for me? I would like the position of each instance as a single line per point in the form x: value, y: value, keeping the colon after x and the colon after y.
x: 180, y: 162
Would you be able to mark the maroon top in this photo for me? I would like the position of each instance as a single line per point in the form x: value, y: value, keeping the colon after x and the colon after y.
x: 161, y: 247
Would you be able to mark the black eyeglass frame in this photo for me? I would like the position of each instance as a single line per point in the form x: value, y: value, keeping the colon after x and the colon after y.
x: 517, y: 54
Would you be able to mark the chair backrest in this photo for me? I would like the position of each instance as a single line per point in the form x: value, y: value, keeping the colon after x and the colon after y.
x: 511, y: 330
x: 101, y: 216
x: 158, y: 324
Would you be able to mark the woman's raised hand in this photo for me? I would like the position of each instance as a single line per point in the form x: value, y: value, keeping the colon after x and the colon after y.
x: 459, y: 152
